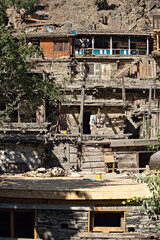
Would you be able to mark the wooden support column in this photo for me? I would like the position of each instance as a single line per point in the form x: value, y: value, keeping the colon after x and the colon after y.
x: 92, y: 42
x: 19, y: 116
x: 149, y: 100
x: 147, y: 46
x: 154, y: 96
x: 123, y: 90
x: 111, y: 50
x: 80, y: 129
x: 158, y: 41
x: 12, y: 223
x: 129, y: 46
x: 35, y: 224
x: 149, y: 113
x: 86, y: 70
x: 68, y: 151
x: 59, y: 122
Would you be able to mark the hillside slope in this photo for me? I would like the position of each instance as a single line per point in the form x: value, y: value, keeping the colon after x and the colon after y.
x: 124, y: 15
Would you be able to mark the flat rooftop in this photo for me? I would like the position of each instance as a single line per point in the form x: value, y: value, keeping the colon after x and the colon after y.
x: 112, y: 186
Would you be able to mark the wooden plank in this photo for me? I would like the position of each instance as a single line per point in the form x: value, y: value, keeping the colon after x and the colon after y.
x: 124, y: 227
x: 123, y: 90
x: 109, y: 159
x: 107, y: 229
x: 89, y: 221
x: 93, y: 165
x: 35, y: 224
x: 42, y: 24
x: 12, y: 223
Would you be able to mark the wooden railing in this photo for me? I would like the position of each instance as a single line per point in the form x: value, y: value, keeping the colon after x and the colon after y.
x: 114, y: 51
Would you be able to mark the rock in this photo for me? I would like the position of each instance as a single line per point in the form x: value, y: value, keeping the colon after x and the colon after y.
x: 75, y: 174
x: 154, y: 161
x: 41, y: 170
x: 57, y: 172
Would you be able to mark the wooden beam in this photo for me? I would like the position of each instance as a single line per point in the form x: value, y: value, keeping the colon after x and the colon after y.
x: 86, y: 70
x: 158, y: 41
x: 89, y: 221
x: 123, y: 90
x: 59, y: 122
x: 149, y: 100
x: 35, y: 224
x: 12, y: 223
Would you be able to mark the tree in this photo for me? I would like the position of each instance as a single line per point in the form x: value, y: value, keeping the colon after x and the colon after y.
x: 22, y: 7
x: 16, y: 81
x: 151, y: 205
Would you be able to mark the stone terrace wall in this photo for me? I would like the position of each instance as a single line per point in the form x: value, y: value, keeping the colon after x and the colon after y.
x: 69, y: 224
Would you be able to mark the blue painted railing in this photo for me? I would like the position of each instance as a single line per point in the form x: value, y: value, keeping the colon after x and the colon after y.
x: 114, y: 52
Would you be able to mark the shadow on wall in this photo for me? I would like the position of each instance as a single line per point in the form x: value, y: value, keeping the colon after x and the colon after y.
x: 130, y: 128
x: 21, y: 157
x: 61, y: 224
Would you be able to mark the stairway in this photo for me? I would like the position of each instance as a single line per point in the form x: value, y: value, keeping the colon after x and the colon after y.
x: 126, y: 67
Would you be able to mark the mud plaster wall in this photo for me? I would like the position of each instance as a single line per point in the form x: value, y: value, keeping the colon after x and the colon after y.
x: 66, y: 224
x: 21, y: 157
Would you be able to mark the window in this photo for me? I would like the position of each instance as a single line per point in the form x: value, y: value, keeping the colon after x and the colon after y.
x: 60, y: 46
x: 107, y: 221
x: 17, y: 224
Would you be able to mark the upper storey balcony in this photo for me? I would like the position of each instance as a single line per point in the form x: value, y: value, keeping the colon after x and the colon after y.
x: 94, y: 44
x: 123, y: 45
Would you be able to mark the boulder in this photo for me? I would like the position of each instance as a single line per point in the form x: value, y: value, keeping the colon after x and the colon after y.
x: 154, y: 161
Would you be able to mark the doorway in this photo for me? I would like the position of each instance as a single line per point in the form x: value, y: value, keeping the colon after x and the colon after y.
x: 144, y: 158
x: 86, y: 125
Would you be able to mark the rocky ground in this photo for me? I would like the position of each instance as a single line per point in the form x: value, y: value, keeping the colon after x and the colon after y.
x: 111, y: 15
x: 124, y: 15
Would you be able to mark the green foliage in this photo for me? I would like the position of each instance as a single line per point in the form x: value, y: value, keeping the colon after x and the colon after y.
x: 16, y: 81
x: 27, y: 5
x: 155, y: 147
x: 151, y: 205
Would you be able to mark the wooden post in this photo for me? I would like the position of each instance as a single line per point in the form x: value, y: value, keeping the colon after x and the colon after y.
x: 92, y: 42
x: 111, y: 50
x: 129, y: 46
x: 19, y: 116
x: 35, y: 224
x: 149, y: 100
x: 158, y: 41
x: 59, y: 122
x: 149, y: 112
x: 12, y: 223
x: 80, y: 129
x: 154, y: 96
x: 68, y: 151
x: 147, y: 46
x: 123, y: 90
x: 86, y: 70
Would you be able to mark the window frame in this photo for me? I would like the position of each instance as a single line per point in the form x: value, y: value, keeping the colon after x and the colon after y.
x: 58, y: 43
x: 12, y: 211
x: 121, y: 228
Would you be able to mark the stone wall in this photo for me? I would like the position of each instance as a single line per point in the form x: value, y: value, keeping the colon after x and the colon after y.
x: 69, y: 224
x: 21, y: 157
x: 61, y: 225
